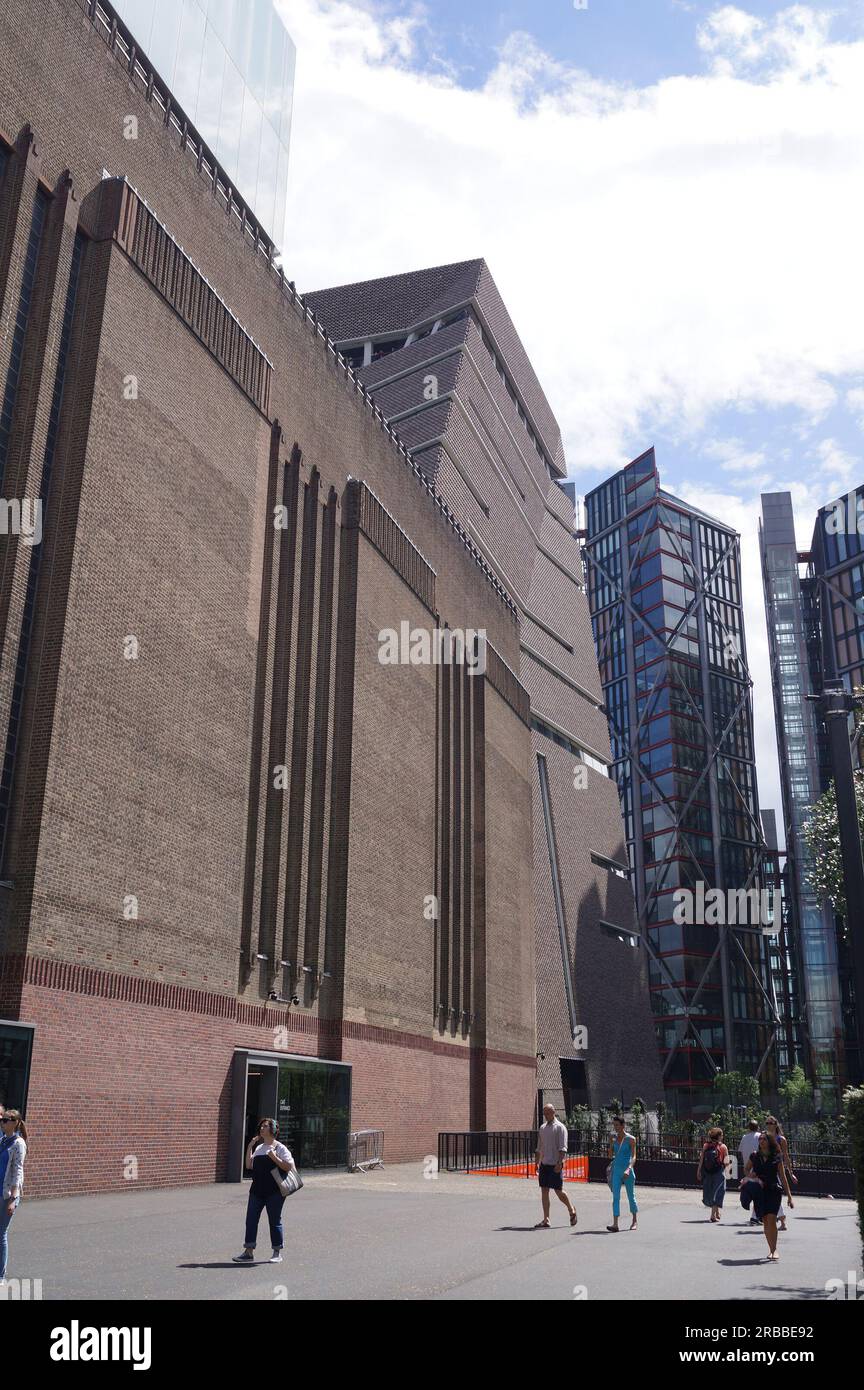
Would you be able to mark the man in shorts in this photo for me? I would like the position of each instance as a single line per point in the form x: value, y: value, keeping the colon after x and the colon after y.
x: 549, y: 1158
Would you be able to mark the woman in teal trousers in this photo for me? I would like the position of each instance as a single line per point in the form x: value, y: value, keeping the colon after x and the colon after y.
x: 622, y: 1171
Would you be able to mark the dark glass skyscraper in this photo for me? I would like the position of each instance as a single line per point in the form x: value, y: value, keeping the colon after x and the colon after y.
x: 665, y: 596
x: 815, y: 622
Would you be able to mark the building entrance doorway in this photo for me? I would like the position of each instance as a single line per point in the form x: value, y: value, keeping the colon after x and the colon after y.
x: 16, y: 1046
x: 310, y: 1099
x: 262, y: 1083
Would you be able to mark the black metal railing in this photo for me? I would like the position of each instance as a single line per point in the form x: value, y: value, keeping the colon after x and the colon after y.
x: 485, y: 1150
x: 661, y: 1160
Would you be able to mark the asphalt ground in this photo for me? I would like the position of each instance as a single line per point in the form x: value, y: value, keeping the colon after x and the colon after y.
x: 396, y: 1234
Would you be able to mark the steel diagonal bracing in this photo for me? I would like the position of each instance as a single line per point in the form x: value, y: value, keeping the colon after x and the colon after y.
x: 661, y: 679
x: 715, y: 756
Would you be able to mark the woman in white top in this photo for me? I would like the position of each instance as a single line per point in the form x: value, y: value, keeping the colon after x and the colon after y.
x: 13, y: 1151
x: 265, y: 1156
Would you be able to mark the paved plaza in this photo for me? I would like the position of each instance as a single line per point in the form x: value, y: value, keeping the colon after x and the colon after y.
x: 393, y: 1234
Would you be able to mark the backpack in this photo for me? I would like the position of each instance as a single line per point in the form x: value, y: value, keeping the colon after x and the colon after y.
x: 711, y: 1160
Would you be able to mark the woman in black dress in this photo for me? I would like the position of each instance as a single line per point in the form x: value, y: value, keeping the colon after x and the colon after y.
x: 772, y: 1127
x: 768, y: 1171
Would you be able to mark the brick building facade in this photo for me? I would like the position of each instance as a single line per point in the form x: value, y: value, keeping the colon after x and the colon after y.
x: 441, y: 357
x: 216, y: 798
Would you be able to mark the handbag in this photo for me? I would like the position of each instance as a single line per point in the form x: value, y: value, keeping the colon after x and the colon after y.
x: 288, y: 1183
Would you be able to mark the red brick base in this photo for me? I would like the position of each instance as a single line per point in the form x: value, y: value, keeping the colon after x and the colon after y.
x: 113, y: 1080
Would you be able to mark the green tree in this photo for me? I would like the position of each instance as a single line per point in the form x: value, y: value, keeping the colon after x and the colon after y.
x: 604, y: 1123
x: 581, y: 1118
x: 737, y: 1088
x: 821, y: 835
x: 637, y: 1115
x: 796, y: 1094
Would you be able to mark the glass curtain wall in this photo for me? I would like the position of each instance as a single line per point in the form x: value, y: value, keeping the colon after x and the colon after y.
x: 665, y: 596
x: 230, y: 65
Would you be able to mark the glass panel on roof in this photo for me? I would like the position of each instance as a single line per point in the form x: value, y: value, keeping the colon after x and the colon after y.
x: 210, y: 89
x: 190, y: 49
x: 250, y: 148
x: 231, y: 119
x: 163, y: 41
x: 137, y: 15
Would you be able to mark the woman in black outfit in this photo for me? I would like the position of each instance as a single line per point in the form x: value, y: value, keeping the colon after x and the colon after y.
x: 767, y: 1169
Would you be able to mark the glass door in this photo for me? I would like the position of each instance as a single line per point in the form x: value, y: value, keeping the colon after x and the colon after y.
x: 314, y: 1111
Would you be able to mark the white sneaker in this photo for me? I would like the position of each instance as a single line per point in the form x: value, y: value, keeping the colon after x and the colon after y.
x: 275, y: 1258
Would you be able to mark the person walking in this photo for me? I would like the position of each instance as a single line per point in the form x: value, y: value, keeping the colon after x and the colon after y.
x: 772, y: 1127
x: 623, y: 1171
x: 13, y: 1151
x: 711, y: 1172
x: 265, y: 1156
x: 769, y: 1170
x: 549, y: 1159
x: 747, y: 1146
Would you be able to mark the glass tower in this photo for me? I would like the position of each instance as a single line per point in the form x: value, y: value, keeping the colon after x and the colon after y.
x: 814, y: 603
x: 230, y: 64
x: 795, y: 648
x: 665, y: 595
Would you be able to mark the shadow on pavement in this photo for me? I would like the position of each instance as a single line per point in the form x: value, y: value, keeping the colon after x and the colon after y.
x: 225, y: 1264
x: 806, y: 1295
x: 732, y: 1263
x: 531, y: 1228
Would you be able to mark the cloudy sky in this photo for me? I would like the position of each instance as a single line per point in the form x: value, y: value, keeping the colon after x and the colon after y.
x: 669, y: 196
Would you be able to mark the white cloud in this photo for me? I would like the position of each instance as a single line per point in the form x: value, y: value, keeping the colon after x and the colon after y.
x: 734, y: 457
x: 793, y: 40
x: 664, y: 251
x: 840, y: 470
x: 855, y: 403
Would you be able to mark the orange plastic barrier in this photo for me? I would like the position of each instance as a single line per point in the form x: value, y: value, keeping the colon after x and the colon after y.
x: 575, y: 1170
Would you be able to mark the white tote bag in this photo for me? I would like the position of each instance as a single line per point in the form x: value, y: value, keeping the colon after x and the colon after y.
x: 288, y: 1183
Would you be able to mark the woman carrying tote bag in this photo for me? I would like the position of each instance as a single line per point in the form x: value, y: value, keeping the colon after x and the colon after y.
x: 268, y: 1160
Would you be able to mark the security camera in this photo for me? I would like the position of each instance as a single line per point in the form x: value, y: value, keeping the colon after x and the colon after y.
x: 275, y: 998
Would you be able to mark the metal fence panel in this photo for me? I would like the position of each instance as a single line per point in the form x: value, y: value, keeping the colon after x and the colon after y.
x: 365, y: 1150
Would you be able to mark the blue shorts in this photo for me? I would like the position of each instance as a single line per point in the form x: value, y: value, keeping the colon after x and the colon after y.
x: 550, y: 1177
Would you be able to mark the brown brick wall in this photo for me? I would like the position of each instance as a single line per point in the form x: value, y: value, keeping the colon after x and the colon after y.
x: 111, y: 1080
x: 153, y: 777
